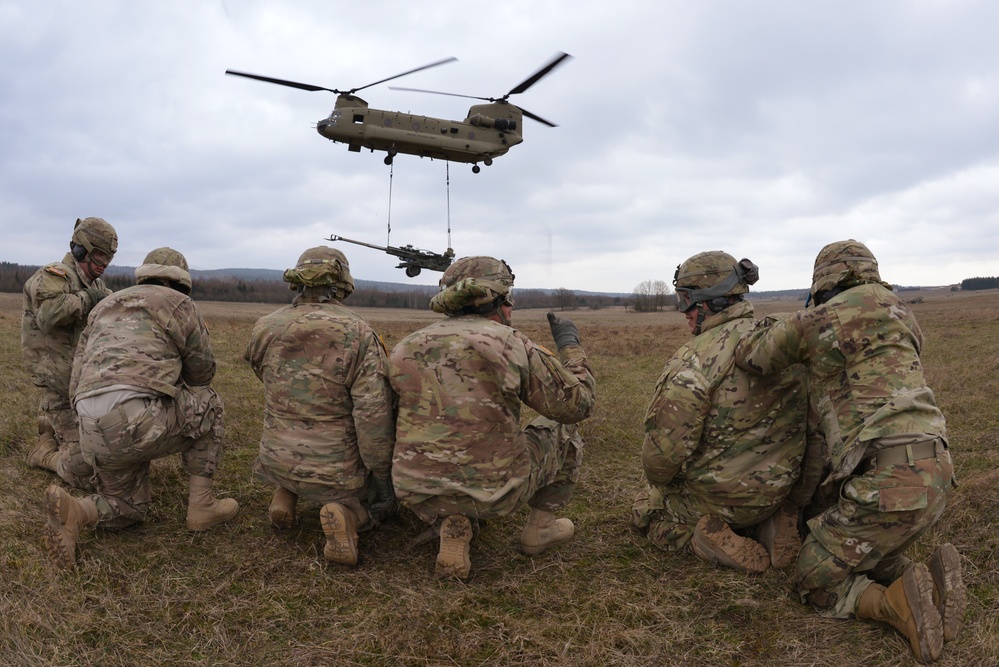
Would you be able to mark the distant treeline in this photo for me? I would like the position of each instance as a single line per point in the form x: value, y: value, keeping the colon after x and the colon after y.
x: 979, y: 283
x: 224, y: 288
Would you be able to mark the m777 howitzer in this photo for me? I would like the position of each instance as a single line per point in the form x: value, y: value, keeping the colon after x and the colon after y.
x: 413, y: 259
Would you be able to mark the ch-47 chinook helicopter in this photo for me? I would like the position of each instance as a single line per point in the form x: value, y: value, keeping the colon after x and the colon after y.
x: 488, y: 131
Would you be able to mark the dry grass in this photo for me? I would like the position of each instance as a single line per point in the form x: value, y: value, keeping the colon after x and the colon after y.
x: 248, y: 595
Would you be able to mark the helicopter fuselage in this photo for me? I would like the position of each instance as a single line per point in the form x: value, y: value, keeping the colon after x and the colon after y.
x: 490, y: 130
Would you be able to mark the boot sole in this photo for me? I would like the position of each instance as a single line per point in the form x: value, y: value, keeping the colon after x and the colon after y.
x: 63, y: 555
x: 714, y: 541
x: 453, y: 559
x: 779, y: 536
x: 945, y: 569
x: 918, y: 585
x: 341, y: 534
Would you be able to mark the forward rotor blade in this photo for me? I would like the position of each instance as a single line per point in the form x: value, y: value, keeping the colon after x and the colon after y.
x: 281, y: 82
x: 412, y: 71
x: 438, y: 92
x: 536, y: 117
x: 533, y: 79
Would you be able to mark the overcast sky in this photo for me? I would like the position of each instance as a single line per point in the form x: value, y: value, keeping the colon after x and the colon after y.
x: 763, y: 128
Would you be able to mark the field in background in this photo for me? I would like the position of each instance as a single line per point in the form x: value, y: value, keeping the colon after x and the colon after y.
x: 246, y: 594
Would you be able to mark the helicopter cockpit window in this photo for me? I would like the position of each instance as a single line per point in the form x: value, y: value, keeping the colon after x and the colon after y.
x: 358, y: 117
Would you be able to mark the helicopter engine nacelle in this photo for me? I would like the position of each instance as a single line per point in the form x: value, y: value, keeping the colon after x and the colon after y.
x: 501, y: 124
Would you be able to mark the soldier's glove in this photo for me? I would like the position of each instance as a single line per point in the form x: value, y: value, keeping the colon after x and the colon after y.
x: 95, y: 294
x: 564, y: 331
x: 383, y: 505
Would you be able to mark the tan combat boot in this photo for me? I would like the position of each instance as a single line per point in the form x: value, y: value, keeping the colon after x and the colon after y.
x: 203, y: 510
x: 66, y: 516
x: 714, y: 541
x: 340, y: 525
x: 282, y: 508
x: 908, y: 606
x: 45, y: 454
x: 779, y: 536
x: 948, y: 589
x: 543, y: 530
x: 453, y: 559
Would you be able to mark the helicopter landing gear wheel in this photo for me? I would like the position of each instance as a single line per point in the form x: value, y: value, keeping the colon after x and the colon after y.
x: 488, y: 161
x: 476, y: 168
x: 412, y: 271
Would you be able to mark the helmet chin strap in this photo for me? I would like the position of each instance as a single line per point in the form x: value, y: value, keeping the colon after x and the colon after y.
x: 702, y: 313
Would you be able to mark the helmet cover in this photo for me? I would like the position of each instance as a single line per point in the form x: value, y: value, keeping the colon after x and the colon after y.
x: 472, y: 281
x: 321, y: 266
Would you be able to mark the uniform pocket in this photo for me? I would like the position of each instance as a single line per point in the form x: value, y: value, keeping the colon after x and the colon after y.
x: 902, y: 499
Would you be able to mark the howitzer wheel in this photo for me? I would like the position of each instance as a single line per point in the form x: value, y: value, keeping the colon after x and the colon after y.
x: 412, y: 271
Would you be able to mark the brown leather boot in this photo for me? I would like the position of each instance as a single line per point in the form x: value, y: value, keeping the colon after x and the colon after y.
x: 65, y: 517
x: 948, y: 589
x: 45, y: 454
x: 340, y: 526
x: 714, y: 541
x: 203, y: 510
x: 282, y: 508
x: 543, y: 530
x: 907, y: 605
x: 453, y: 559
x: 779, y: 536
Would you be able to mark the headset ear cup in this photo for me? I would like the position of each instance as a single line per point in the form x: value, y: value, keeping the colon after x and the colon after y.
x: 79, y: 252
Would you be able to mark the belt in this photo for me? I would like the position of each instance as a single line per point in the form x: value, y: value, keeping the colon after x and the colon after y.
x: 899, y: 454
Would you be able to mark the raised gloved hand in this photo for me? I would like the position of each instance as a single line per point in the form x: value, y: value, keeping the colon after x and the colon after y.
x: 563, y: 331
x: 383, y: 506
x: 95, y: 294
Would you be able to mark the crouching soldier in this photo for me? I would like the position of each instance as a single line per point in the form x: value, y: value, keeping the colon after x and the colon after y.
x: 460, y: 453
x: 140, y: 387
x: 329, y: 412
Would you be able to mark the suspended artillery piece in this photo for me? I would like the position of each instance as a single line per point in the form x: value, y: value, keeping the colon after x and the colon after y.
x: 413, y: 259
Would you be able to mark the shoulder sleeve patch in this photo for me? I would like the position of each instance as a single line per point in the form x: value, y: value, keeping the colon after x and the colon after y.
x: 56, y: 271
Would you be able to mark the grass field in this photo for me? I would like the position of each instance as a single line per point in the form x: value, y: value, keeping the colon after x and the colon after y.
x: 246, y: 594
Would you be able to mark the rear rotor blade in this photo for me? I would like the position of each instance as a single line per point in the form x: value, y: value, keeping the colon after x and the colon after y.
x: 438, y: 92
x: 418, y: 69
x: 534, y: 78
x: 281, y: 82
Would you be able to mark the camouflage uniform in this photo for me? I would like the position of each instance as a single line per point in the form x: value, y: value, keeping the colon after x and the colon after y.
x: 56, y: 305
x: 459, y: 444
x: 718, y: 440
x: 866, y: 383
x: 150, y: 343
x: 329, y: 420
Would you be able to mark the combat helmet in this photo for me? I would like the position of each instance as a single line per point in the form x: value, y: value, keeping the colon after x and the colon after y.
x: 92, y: 234
x: 165, y: 266
x: 712, y: 275
x: 473, y: 284
x: 321, y: 267
x: 842, y: 265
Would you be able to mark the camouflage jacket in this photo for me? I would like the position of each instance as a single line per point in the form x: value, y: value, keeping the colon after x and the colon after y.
x: 865, y: 378
x: 55, y: 312
x: 725, y: 435
x: 461, y: 383
x: 145, y: 336
x: 329, y: 413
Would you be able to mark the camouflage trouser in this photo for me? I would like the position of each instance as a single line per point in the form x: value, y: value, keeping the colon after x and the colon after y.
x: 121, y: 444
x: 668, y: 514
x: 556, y: 453
x: 878, y: 515
x: 57, y: 418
